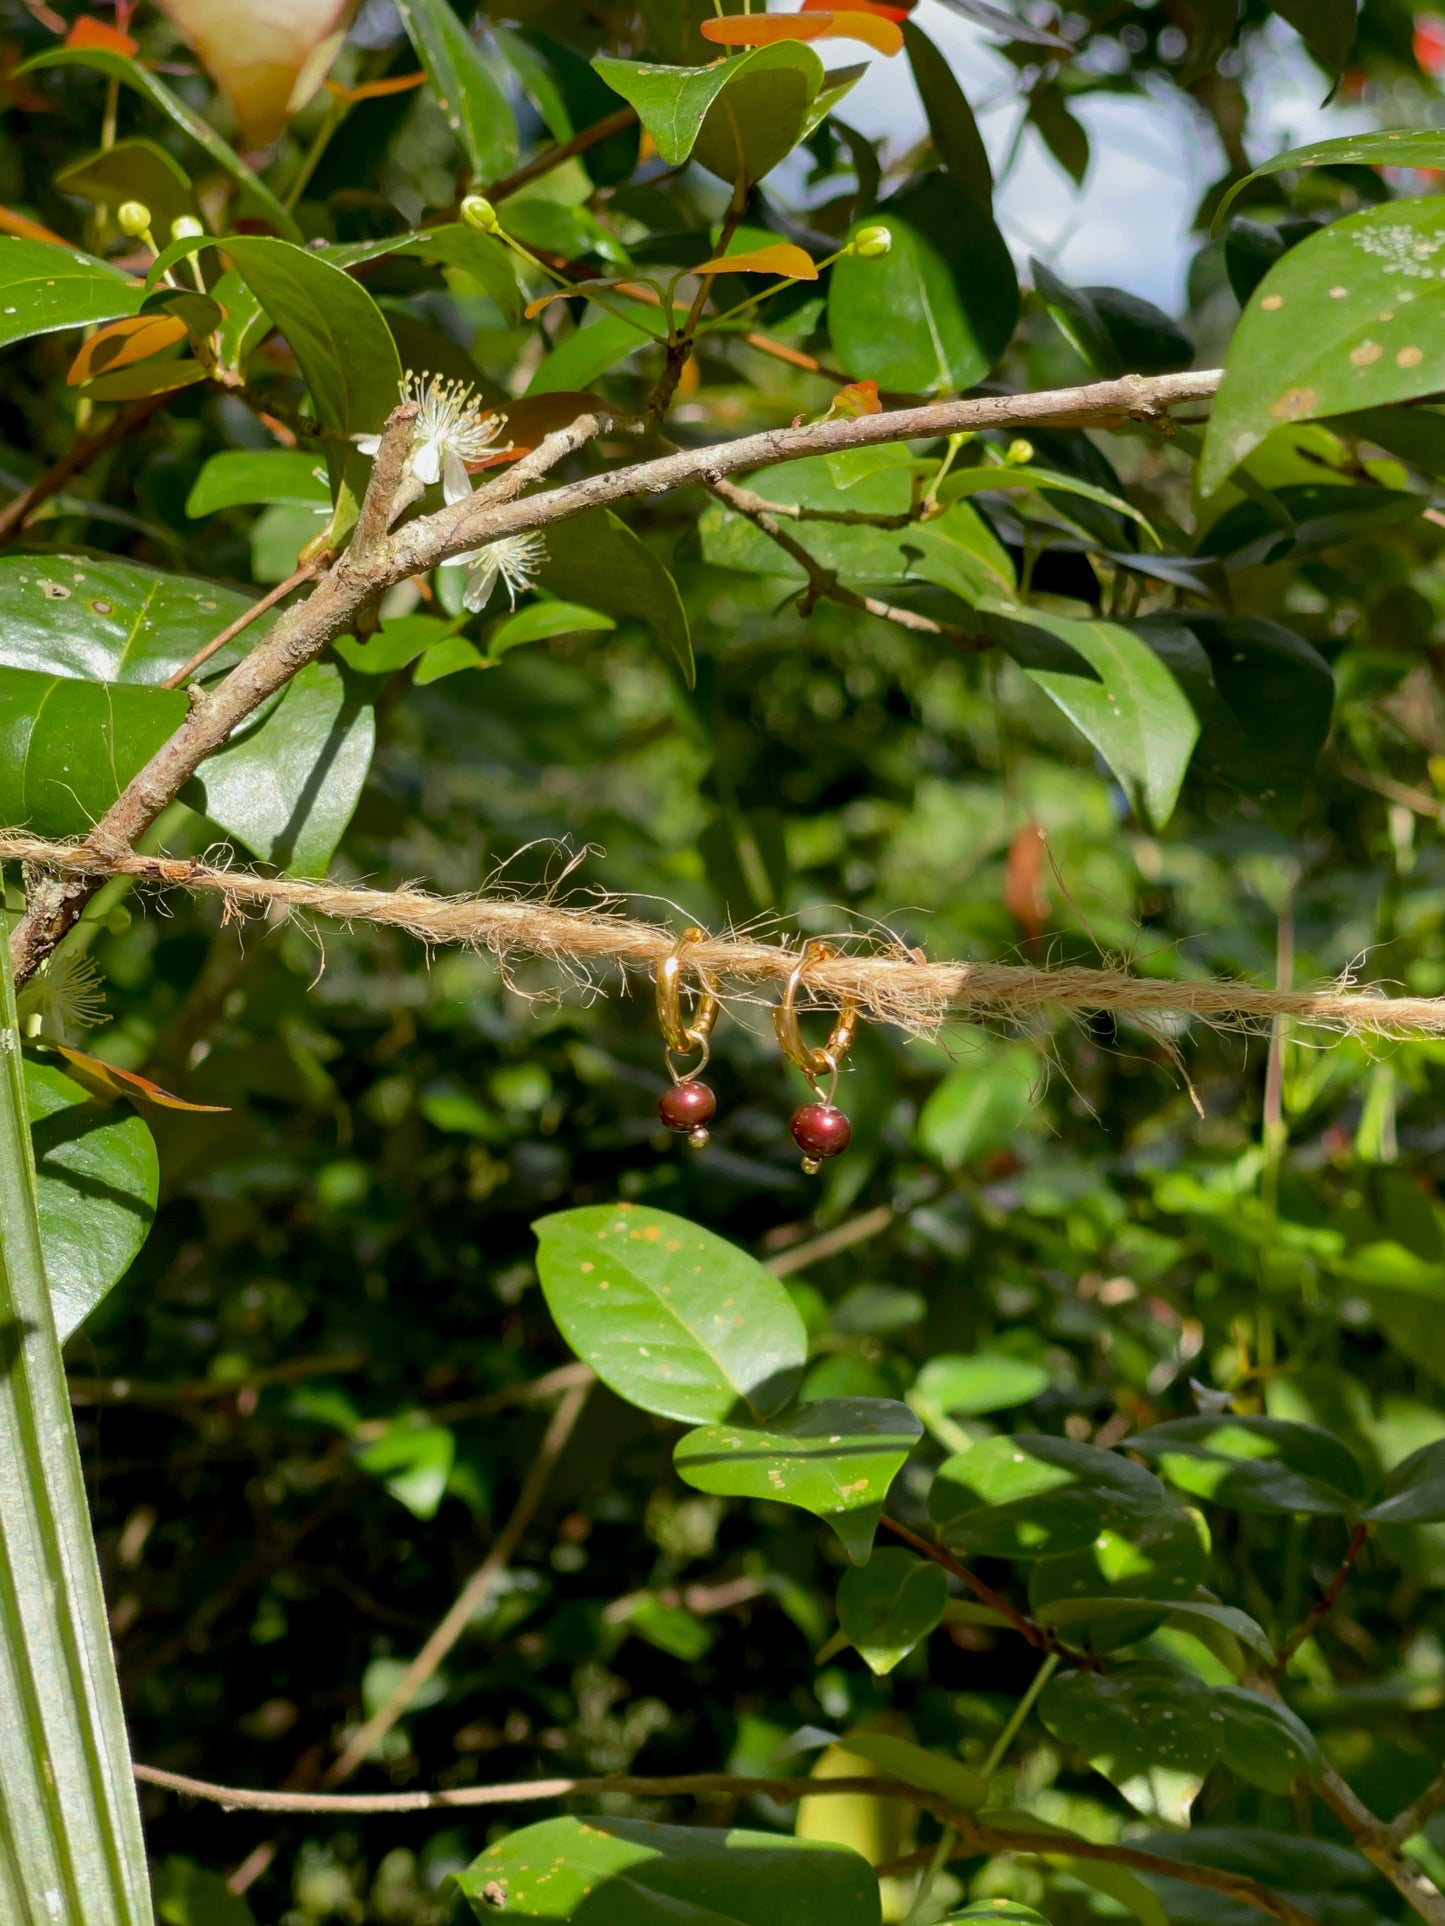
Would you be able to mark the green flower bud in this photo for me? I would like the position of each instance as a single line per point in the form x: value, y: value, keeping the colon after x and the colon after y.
x: 872, y: 243
x: 478, y: 212
x: 1019, y: 452
x: 185, y: 227
x: 134, y: 218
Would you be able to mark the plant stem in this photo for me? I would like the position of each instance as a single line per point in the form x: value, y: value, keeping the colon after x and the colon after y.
x: 941, y: 1855
x: 335, y: 114
x: 1020, y: 1712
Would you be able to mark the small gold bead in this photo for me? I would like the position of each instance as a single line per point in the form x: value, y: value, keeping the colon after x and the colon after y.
x: 812, y: 1165
x: 697, y: 1138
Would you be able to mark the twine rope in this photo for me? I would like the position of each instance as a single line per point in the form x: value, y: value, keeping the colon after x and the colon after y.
x: 891, y: 985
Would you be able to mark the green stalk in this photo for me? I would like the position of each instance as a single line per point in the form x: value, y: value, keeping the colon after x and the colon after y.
x: 71, y: 1851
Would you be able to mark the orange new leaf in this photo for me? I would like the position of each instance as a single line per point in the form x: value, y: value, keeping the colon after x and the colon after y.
x: 27, y: 230
x: 898, y: 14
x: 88, y: 32
x: 858, y: 398
x: 764, y: 29
x: 883, y: 35
x: 375, y: 89
x: 134, y: 339
x: 781, y: 258
x: 115, y: 1082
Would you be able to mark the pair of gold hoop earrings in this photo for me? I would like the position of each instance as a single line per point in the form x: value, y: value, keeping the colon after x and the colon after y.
x: 819, y: 1128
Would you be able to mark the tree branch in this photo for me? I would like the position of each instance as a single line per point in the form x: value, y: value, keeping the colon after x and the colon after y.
x: 543, y: 163
x: 1040, y: 1639
x: 1418, y: 1814
x: 1377, y: 1842
x: 1328, y: 1599
x: 307, y: 573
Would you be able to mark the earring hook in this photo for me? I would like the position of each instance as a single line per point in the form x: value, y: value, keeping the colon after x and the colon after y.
x: 814, y: 1063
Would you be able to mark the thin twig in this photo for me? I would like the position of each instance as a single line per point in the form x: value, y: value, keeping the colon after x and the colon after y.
x: 1376, y: 1841
x: 471, y: 1599
x: 206, y: 1390
x: 16, y: 514
x: 1327, y: 1600
x: 842, y: 1237
x: 534, y: 1389
x: 306, y: 573
x: 1418, y: 1814
x: 985, y: 1594
x: 543, y: 163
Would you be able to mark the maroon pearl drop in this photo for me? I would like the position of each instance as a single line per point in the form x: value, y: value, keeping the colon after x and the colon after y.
x: 687, y: 1106
x: 820, y: 1130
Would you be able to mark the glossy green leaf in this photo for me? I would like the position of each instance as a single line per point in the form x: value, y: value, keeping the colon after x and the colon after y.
x: 540, y: 621
x: 1117, y: 333
x: 636, y: 1872
x: 674, y: 1319
x: 101, y: 619
x: 1264, y: 699
x: 44, y: 288
x: 134, y: 170
x: 1327, y: 28
x: 1349, y: 319
x: 1422, y: 147
x: 130, y: 73
x: 401, y: 640
x: 1265, y: 1742
x: 979, y: 1105
x: 97, y: 1179
x: 1024, y: 1496
x: 950, y: 118
x: 770, y: 91
x: 475, y: 107
x: 1163, y: 1557
x: 448, y: 657
x: 1255, y: 1464
x: 239, y: 476
x: 1152, y: 1729
x: 1414, y: 1491
x: 1116, y: 692
x: 597, y: 560
x: 74, y: 1849
x: 937, y: 312
x: 1108, y: 1623
x: 590, y: 351
x: 289, y: 778
x: 835, y: 1458
x: 1061, y: 132
x: 915, y: 1765
x: 890, y: 1605
x: 959, y: 1387
x: 1002, y: 477
x: 68, y: 748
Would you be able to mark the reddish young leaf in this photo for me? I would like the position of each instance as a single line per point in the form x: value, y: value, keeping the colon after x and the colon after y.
x: 885, y: 36
x: 106, y: 1079
x: 27, y: 230
x: 781, y: 258
x: 133, y: 339
x: 764, y: 29
x: 375, y: 89
x: 898, y: 14
x: 89, y: 32
x: 858, y: 398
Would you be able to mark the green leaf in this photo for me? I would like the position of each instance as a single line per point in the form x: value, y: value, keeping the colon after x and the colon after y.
x: 68, y: 748
x: 475, y: 107
x: 1163, y: 1557
x: 540, y: 621
x: 673, y: 1318
x: 1115, y: 332
x: 1153, y: 1730
x: 1023, y: 1496
x: 97, y: 1179
x: 890, y: 1605
x: 341, y: 343
x: 592, y: 350
x: 916, y: 1766
x: 454, y: 245
x: 100, y: 619
x: 968, y: 1387
x: 1327, y: 27
x: 290, y: 776
x: 1398, y: 147
x: 1141, y: 1616
x: 1414, y: 1492
x: 189, y: 1895
x: 634, y: 1872
x: 999, y: 1912
x: 130, y: 73
x: 979, y: 1105
x: 401, y: 640
x: 597, y: 560
x: 238, y: 476
x: 1116, y: 692
x: 134, y: 170
x: 835, y: 1458
x: 938, y: 311
x: 448, y: 657
x: 1002, y: 476
x: 1349, y: 319
x: 1063, y: 135
x: 950, y: 118
x: 1264, y: 699
x: 752, y: 109
x: 74, y: 1849
x: 44, y: 288
x: 1256, y: 1464
x: 1117, y: 1881
x: 1265, y: 1742
x: 414, y: 1462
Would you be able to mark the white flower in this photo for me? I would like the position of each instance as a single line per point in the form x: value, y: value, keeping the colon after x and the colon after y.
x: 450, y: 431
x: 515, y: 558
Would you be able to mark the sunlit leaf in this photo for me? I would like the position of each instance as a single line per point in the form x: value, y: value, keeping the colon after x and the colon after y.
x: 110, y: 1078
x: 781, y: 258
x: 123, y: 342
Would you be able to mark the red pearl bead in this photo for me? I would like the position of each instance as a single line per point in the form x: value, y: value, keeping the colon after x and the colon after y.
x: 820, y: 1131
x: 686, y: 1106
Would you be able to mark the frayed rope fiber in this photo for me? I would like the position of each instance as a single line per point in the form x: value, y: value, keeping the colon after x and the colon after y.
x: 891, y: 986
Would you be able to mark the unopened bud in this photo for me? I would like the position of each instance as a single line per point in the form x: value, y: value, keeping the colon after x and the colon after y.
x: 185, y: 227
x: 134, y: 218
x: 872, y: 243
x: 1019, y: 453
x: 478, y: 212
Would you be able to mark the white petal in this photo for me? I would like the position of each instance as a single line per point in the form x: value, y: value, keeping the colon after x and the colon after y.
x: 480, y: 583
x: 456, y: 482
x: 369, y: 444
x: 426, y: 462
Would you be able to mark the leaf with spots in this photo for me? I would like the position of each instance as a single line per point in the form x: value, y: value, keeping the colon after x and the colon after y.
x: 1026, y: 1496
x: 672, y: 1318
x: 1265, y: 1742
x: 1395, y: 147
x: 1354, y: 317
x: 635, y: 1872
x: 43, y: 288
x: 1153, y: 1730
x: 835, y: 1458
x: 1106, y: 1590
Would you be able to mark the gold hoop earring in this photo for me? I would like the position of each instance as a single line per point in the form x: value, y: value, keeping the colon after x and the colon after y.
x: 819, y: 1129
x: 689, y: 1105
